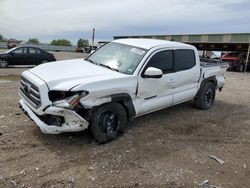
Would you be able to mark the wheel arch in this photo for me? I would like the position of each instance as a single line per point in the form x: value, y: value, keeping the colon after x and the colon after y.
x: 211, y: 79
x: 122, y: 98
x: 126, y: 101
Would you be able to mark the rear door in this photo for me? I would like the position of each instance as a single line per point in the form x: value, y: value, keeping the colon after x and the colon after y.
x: 156, y: 93
x: 187, y: 73
x: 35, y: 56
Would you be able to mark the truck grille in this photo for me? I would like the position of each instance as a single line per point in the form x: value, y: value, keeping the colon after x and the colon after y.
x: 30, y: 92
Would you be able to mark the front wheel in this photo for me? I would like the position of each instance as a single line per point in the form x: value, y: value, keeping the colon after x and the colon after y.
x: 107, y: 121
x: 3, y: 63
x: 206, y: 96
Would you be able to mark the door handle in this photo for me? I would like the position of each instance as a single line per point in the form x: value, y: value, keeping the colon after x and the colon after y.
x: 194, y: 75
x: 171, y: 81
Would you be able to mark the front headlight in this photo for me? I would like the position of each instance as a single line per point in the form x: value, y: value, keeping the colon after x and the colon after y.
x: 70, y: 102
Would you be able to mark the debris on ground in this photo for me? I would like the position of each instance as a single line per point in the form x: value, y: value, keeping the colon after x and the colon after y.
x: 216, y: 159
x: 204, y: 183
x: 14, y: 182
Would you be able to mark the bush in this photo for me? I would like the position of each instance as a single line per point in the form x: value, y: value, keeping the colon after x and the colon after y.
x: 33, y: 41
x: 82, y: 43
x: 61, y: 42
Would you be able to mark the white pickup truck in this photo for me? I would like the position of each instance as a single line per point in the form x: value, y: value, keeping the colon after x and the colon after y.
x: 122, y: 80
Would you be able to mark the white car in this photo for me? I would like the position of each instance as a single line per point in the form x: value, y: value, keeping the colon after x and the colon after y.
x: 122, y: 80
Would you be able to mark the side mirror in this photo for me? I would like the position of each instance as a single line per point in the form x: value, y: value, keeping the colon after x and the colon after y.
x: 152, y: 72
x: 12, y: 53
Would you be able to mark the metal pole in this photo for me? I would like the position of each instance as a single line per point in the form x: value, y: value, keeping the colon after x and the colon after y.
x: 247, y: 58
x: 93, y: 38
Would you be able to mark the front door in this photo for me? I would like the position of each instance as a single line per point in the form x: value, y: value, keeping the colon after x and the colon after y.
x: 19, y: 56
x: 156, y: 93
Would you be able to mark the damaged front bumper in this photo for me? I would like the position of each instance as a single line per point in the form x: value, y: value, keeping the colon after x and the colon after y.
x: 72, y: 122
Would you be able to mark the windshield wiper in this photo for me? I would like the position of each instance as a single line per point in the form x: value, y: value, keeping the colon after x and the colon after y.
x: 99, y: 64
x: 109, y: 67
x: 91, y: 61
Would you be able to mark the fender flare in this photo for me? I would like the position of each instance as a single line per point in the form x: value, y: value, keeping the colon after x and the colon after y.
x: 122, y: 98
x: 126, y: 100
x: 209, y: 79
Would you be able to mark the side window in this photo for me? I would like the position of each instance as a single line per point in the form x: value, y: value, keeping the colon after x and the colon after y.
x: 32, y: 51
x: 183, y: 59
x: 20, y: 51
x: 38, y: 51
x: 162, y: 60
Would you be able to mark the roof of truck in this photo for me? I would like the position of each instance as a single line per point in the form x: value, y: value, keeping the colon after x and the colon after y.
x: 150, y: 43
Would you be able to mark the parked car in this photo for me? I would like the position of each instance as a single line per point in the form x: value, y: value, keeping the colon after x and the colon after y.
x: 89, y: 49
x: 25, y: 55
x: 11, y: 43
x: 236, y: 61
x: 122, y: 80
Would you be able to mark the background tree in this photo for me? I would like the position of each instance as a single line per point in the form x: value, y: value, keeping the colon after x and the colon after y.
x: 61, y: 42
x: 1, y: 37
x: 33, y: 41
x: 81, y: 43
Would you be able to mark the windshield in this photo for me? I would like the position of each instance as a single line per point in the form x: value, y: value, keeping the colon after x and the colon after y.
x: 120, y: 57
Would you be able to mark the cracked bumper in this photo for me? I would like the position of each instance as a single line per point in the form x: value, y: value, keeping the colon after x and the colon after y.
x: 73, y: 122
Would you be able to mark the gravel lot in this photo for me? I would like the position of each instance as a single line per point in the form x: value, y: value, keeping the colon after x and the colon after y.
x: 168, y: 148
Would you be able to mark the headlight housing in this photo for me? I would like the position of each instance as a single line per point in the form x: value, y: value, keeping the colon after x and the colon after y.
x: 67, y: 100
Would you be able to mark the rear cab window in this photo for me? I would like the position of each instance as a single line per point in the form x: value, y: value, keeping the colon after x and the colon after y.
x: 184, y: 59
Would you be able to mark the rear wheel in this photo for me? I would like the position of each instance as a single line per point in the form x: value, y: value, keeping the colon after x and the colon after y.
x: 44, y: 61
x: 3, y: 63
x: 206, y: 96
x: 107, y: 121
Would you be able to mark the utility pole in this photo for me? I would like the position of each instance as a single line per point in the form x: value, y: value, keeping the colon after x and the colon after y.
x: 93, y: 38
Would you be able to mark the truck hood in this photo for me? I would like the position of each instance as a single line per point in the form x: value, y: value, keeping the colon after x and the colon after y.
x: 65, y: 75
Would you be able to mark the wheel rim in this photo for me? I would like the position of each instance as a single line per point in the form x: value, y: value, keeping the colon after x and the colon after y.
x: 209, y: 97
x: 108, y: 123
x: 3, y: 64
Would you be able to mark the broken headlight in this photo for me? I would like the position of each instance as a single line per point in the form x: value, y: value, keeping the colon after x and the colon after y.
x: 70, y: 102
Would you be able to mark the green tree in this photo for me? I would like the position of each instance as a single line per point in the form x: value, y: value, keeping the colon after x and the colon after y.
x: 33, y: 41
x: 61, y: 42
x: 1, y: 37
x: 82, y: 43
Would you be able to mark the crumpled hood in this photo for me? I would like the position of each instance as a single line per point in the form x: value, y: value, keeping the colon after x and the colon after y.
x: 65, y: 75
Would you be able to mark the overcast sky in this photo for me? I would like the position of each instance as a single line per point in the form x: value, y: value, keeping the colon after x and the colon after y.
x: 72, y: 19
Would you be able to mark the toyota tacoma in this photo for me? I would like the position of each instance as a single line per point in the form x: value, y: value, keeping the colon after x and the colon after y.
x: 122, y: 80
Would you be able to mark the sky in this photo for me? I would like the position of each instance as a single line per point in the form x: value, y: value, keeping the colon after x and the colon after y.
x: 74, y: 19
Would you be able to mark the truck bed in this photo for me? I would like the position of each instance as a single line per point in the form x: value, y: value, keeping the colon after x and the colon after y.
x: 212, y: 63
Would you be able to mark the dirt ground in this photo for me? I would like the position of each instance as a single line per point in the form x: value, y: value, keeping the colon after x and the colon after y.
x: 168, y: 148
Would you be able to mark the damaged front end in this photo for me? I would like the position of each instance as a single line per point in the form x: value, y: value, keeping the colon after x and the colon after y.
x: 62, y: 115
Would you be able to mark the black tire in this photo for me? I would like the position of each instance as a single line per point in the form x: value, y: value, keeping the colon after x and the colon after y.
x: 3, y: 63
x: 107, y: 121
x: 206, y: 96
x: 44, y: 61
